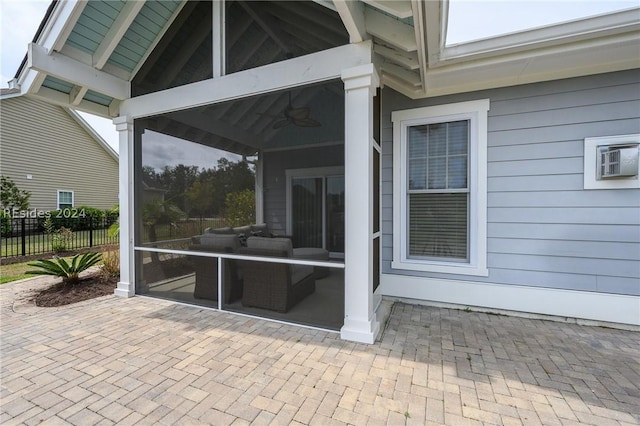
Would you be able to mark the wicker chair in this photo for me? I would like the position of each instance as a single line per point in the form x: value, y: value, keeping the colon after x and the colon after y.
x: 274, y: 286
x: 206, y: 270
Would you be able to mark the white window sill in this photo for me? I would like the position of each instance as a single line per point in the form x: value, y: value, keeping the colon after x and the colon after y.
x: 441, y: 268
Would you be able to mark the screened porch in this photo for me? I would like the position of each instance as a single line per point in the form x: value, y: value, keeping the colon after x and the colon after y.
x: 219, y: 185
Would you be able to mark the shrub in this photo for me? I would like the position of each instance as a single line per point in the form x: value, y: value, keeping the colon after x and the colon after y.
x: 69, y: 272
x: 60, y: 238
x: 6, y: 224
x: 80, y: 218
x: 111, y: 263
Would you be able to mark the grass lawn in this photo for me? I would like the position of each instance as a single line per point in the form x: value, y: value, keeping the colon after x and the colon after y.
x: 13, y: 272
x: 16, y: 271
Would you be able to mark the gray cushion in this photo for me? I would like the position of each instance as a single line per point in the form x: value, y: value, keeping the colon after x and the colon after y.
x: 221, y: 240
x: 225, y: 230
x: 282, y: 244
x: 260, y: 228
x: 245, y: 230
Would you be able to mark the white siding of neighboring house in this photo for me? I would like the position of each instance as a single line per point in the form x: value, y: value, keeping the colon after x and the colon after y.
x: 544, y: 229
x: 44, y: 141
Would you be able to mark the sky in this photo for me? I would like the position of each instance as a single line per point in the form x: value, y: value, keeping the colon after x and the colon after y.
x: 469, y: 19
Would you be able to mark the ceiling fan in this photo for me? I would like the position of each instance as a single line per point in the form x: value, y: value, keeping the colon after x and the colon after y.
x: 296, y: 116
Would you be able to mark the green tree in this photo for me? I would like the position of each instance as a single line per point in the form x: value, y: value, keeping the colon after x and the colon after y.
x: 11, y: 197
x: 200, y: 198
x: 230, y: 177
x: 240, y: 208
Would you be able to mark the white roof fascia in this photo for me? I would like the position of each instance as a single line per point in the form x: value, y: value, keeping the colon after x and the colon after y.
x: 434, y: 27
x: 60, y: 24
x: 551, y: 35
x: 615, y: 53
x: 419, y: 24
x: 78, y: 118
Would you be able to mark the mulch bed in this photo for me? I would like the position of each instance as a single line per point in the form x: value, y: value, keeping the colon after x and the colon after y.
x: 90, y: 287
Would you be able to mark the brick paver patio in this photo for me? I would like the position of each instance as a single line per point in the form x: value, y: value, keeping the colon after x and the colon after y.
x: 148, y: 362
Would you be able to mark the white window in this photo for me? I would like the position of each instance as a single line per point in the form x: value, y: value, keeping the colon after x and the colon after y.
x: 65, y: 199
x: 440, y: 188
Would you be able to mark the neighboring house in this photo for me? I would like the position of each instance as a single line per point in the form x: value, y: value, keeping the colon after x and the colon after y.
x: 482, y: 174
x: 54, y: 154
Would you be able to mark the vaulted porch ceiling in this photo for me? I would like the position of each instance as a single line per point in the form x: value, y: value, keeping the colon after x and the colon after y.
x: 86, y: 54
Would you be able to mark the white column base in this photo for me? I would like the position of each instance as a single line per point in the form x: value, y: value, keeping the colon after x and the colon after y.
x: 360, y: 331
x: 124, y: 289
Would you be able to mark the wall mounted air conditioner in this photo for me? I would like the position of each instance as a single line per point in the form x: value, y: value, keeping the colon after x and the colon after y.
x: 617, y: 161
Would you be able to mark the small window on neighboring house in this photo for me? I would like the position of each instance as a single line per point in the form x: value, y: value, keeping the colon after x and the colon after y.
x: 65, y: 199
x: 440, y: 188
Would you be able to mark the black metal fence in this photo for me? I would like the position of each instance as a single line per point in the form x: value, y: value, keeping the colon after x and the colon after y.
x: 28, y: 236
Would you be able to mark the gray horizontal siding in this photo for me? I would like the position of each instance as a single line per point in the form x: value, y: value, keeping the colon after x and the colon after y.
x: 44, y: 141
x: 543, y: 228
x: 561, y: 199
x: 564, y: 231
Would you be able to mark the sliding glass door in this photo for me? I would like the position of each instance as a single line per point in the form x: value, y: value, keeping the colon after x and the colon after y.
x: 335, y: 214
x: 317, y: 212
x: 307, y: 212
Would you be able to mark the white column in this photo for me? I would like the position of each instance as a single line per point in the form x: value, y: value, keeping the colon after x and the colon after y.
x: 259, y: 190
x: 360, y: 322
x: 124, y: 126
x: 218, y: 38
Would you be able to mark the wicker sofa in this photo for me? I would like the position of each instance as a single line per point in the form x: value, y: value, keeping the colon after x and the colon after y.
x: 243, y: 232
x: 206, y: 268
x: 273, y: 286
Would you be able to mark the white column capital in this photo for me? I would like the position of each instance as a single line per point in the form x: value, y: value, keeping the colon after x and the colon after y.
x: 123, y: 123
x: 360, y: 77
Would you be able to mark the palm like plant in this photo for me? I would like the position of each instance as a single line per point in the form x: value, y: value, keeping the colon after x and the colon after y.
x: 68, y: 271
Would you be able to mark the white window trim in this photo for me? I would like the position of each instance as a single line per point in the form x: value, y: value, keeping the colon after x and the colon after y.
x: 73, y: 197
x: 476, y: 112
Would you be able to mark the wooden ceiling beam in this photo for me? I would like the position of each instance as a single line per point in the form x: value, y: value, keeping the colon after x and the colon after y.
x: 264, y: 19
x: 189, y: 48
x: 75, y: 72
x: 352, y: 15
x: 398, y: 8
x: 408, y: 60
x: 120, y: 26
x: 164, y: 42
x: 390, y: 30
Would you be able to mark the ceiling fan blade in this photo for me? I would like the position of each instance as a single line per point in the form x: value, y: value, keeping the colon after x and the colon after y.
x: 306, y: 122
x: 282, y: 123
x: 299, y: 113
